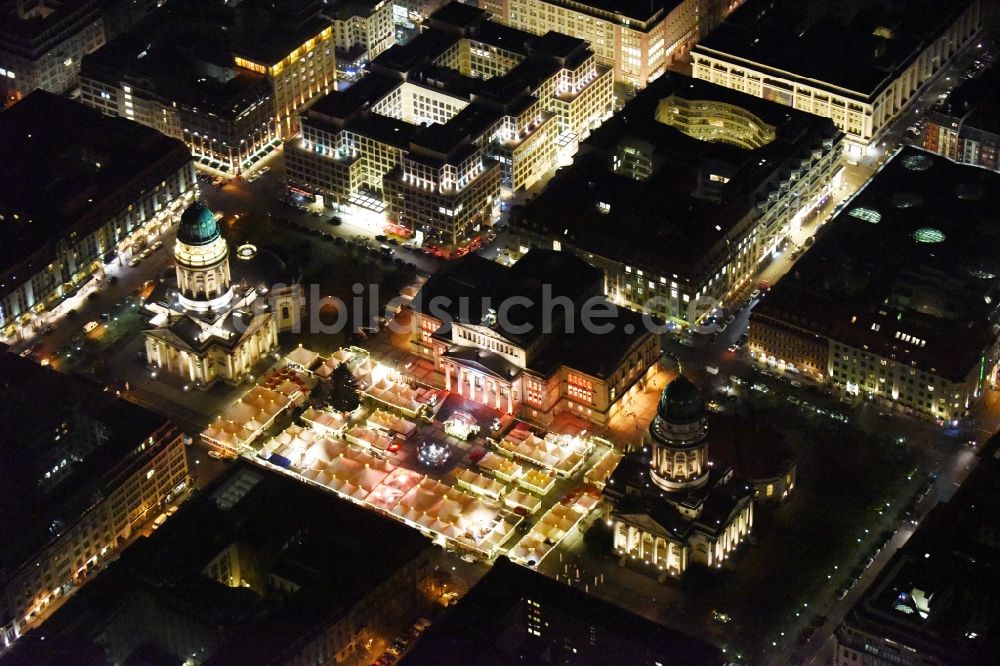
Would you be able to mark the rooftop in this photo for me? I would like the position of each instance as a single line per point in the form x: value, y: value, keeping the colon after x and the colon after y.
x: 679, y: 212
x: 42, y: 23
x: 334, y: 551
x: 489, y: 625
x: 76, y: 169
x: 976, y: 103
x: 835, y: 43
x: 466, y: 290
x: 907, y: 270
x: 47, y: 417
x: 179, y: 62
x: 935, y: 595
x: 640, y: 10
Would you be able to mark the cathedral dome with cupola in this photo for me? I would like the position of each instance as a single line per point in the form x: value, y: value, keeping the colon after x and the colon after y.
x: 677, y: 434
x: 202, y: 257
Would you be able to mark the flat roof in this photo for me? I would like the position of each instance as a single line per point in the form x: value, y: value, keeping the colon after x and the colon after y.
x: 975, y: 103
x: 641, y: 10
x: 170, y: 69
x: 833, y: 43
x: 915, y: 255
x: 935, y: 595
x: 678, y: 225
x: 58, y: 186
x: 42, y: 21
x: 489, y: 625
x: 35, y: 402
x: 335, y: 552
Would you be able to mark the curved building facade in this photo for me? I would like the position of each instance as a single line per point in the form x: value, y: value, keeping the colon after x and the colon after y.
x: 202, y: 258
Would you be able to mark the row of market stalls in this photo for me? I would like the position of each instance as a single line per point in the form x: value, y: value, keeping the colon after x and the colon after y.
x: 561, y: 455
x: 244, y: 420
x: 348, y: 467
x: 474, y: 508
x: 554, y: 525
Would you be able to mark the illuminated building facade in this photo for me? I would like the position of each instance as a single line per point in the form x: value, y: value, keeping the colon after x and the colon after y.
x: 208, y: 327
x: 931, y: 604
x: 694, y: 511
x: 245, y: 572
x: 530, y: 366
x: 441, y: 125
x: 83, y: 470
x: 42, y: 43
x: 965, y: 128
x: 897, y: 299
x: 710, y: 180
x: 362, y: 30
x: 224, y: 114
x: 88, y: 191
x: 637, y: 40
x: 861, y: 75
x: 231, y: 102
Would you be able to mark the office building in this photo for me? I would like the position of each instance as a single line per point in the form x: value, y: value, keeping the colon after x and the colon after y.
x: 42, y: 43
x: 82, y: 191
x: 933, y: 604
x: 209, y: 326
x: 897, y: 299
x: 858, y: 63
x: 228, y: 80
x: 966, y: 126
x: 443, y: 124
x: 694, y: 511
x: 362, y: 30
x: 82, y: 470
x: 514, y: 614
x: 257, y: 568
x: 682, y: 195
x: 637, y: 39
x: 540, y: 359
x: 224, y: 113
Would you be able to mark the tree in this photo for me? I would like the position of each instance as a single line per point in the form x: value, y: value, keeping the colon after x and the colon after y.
x: 344, y: 395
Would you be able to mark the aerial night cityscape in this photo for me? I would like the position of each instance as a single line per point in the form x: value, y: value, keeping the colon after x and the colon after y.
x: 601, y: 332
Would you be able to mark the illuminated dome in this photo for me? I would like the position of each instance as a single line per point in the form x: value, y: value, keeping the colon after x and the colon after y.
x: 681, y: 402
x: 198, y: 225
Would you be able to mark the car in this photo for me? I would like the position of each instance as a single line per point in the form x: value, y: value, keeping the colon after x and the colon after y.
x: 90, y: 326
x: 792, y: 399
x: 713, y: 406
x: 381, y: 238
x: 755, y: 293
x: 134, y: 261
x: 734, y: 347
x: 468, y: 557
x: 760, y: 387
x: 335, y: 221
x: 212, y: 453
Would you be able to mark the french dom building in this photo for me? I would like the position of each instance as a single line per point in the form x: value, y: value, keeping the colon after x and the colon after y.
x: 207, y: 327
x: 670, y: 504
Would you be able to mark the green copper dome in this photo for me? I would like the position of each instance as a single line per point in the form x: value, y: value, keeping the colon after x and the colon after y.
x: 198, y: 225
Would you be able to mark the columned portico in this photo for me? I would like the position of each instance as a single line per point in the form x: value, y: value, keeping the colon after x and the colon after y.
x: 479, y: 385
